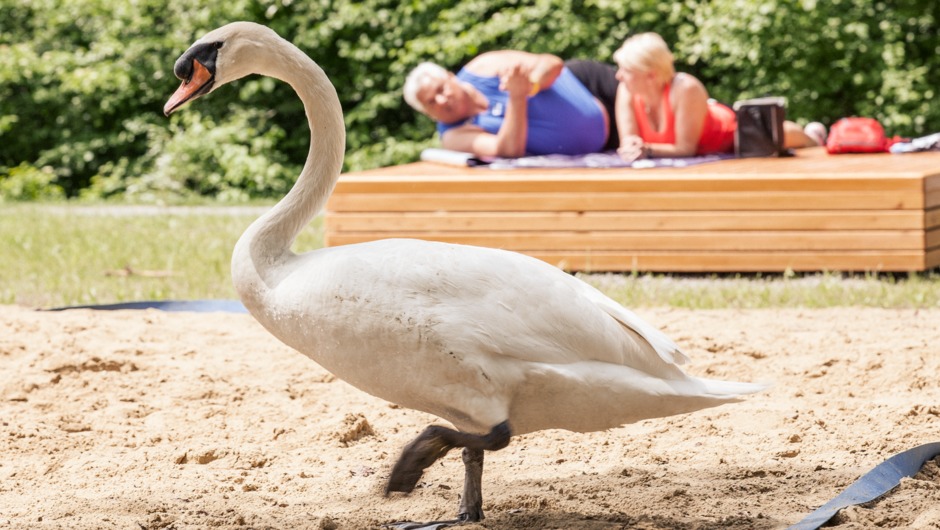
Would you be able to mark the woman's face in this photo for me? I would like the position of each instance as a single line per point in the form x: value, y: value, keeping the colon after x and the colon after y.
x: 445, y: 100
x: 631, y: 78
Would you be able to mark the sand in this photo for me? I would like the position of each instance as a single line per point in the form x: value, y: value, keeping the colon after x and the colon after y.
x: 152, y: 420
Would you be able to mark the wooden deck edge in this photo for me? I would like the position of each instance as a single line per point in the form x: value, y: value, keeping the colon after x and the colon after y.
x: 590, y: 182
x: 568, y: 241
x: 651, y: 201
x: 815, y: 220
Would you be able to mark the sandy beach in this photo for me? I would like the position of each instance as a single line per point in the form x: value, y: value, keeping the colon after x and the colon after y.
x: 153, y: 420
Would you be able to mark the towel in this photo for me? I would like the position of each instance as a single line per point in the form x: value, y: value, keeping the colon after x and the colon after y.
x: 608, y: 159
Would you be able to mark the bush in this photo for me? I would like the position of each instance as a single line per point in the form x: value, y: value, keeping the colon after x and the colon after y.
x: 28, y: 183
x: 831, y: 59
x: 195, y: 156
x: 75, y: 75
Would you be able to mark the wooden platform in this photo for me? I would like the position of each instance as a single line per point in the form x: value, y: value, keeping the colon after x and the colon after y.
x: 875, y: 212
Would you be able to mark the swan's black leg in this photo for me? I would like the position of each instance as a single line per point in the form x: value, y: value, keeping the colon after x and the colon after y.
x: 434, y: 443
x: 471, y: 504
x: 417, y: 456
x: 431, y: 445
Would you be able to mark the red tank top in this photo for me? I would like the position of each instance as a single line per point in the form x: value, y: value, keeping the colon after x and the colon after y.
x: 717, y: 132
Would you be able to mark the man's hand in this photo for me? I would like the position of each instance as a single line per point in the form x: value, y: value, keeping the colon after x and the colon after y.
x: 515, y: 80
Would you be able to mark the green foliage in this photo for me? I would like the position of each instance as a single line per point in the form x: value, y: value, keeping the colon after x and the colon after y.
x: 830, y: 59
x: 74, y: 73
x: 82, y: 82
x: 194, y: 156
x: 27, y: 183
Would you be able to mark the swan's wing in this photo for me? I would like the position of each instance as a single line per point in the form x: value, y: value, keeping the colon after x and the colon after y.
x: 504, y: 303
x: 663, y: 345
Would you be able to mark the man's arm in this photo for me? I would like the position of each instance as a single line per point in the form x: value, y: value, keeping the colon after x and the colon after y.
x: 510, y: 140
x: 542, y: 69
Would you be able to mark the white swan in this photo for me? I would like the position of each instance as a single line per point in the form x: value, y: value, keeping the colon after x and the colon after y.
x: 495, y: 342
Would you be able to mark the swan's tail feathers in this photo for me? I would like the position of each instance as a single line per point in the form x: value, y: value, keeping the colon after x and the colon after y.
x: 731, y: 389
x: 664, y: 346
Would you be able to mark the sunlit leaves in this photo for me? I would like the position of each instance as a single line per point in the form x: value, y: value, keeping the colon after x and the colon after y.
x: 82, y: 82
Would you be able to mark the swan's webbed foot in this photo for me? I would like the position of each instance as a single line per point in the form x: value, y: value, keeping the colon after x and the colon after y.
x: 433, y: 525
x: 463, y: 517
x: 431, y: 445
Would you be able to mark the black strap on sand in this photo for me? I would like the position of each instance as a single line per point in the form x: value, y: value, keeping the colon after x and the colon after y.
x: 880, y: 480
x: 195, y: 306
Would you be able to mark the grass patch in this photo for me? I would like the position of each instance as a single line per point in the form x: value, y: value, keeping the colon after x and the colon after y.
x: 756, y: 291
x: 73, y: 255
x: 59, y: 255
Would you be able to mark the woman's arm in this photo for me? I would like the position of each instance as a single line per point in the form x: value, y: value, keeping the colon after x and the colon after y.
x: 623, y: 113
x: 689, y: 101
x: 689, y: 108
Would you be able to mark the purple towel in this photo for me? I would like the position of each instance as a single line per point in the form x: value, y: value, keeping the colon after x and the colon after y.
x: 600, y: 160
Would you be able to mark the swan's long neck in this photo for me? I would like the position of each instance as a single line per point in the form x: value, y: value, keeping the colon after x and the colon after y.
x: 265, y: 245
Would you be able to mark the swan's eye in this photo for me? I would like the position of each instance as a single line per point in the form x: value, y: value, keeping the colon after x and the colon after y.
x: 218, y: 45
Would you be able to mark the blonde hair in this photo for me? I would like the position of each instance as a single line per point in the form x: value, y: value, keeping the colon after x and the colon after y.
x: 647, y: 52
x: 417, y: 78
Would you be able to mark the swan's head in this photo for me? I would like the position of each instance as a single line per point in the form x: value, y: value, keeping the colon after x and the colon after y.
x: 222, y: 55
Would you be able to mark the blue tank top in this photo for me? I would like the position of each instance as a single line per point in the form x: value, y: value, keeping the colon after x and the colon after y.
x: 563, y: 119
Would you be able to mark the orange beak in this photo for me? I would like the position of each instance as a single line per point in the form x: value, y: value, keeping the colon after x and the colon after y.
x: 191, y: 88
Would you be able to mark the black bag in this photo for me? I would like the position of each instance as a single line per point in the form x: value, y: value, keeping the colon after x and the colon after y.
x: 760, y: 127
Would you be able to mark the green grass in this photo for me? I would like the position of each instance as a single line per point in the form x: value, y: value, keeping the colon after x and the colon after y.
x: 58, y: 255
x: 70, y: 255
x: 816, y: 290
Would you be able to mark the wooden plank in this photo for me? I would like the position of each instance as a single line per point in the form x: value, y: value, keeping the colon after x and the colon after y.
x: 653, y: 240
x: 932, y: 260
x: 811, y: 212
x: 405, y: 202
x: 338, y: 222
x: 932, y: 239
x: 932, y: 218
x: 612, y: 182
x: 932, y: 182
x: 932, y: 199
x: 901, y: 261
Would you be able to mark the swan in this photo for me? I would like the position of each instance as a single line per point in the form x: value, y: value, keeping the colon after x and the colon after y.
x: 496, y: 343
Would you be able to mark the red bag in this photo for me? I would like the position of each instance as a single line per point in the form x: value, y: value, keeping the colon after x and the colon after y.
x: 857, y: 135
